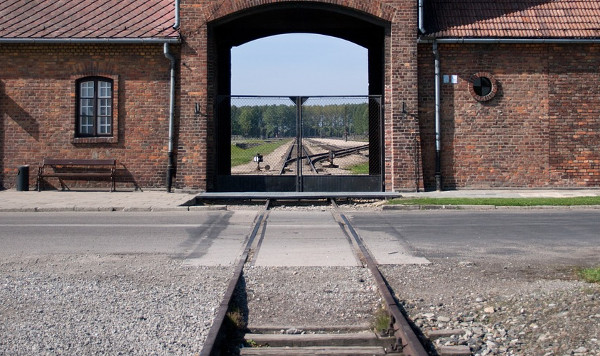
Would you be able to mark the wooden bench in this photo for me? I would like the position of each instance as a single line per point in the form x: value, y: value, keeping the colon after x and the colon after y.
x: 77, y: 169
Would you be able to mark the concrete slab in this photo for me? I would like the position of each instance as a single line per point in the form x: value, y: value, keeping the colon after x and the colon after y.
x: 387, y: 246
x: 388, y: 249
x: 222, y: 247
x: 304, y: 238
x: 299, y: 195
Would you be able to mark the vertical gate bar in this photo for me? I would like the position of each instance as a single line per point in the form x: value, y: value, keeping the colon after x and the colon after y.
x: 299, y: 186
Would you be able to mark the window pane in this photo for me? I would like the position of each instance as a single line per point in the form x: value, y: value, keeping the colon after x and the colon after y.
x: 86, y: 107
x: 86, y: 89
x: 104, y: 107
x: 482, y: 86
x: 104, y: 125
x: 105, y: 89
x: 86, y: 125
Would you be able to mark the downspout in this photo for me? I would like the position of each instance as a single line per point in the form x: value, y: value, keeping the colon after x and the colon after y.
x: 171, y: 154
x: 176, y: 24
x: 438, y: 134
x: 420, y: 15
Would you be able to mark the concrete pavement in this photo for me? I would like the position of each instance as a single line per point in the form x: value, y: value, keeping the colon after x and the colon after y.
x: 507, y: 193
x: 52, y: 200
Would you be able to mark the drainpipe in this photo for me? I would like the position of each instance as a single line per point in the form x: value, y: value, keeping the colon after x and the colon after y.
x: 171, y: 154
x: 438, y: 134
x: 176, y: 24
x: 421, y: 22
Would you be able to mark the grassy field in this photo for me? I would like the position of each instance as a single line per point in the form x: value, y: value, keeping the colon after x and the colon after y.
x: 574, y: 201
x: 361, y: 168
x: 242, y: 156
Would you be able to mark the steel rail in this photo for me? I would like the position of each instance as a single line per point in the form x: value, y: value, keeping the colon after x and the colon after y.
x: 212, y: 345
x: 340, y: 153
x: 411, y: 345
x: 321, y: 156
x: 288, y: 159
x: 310, y: 160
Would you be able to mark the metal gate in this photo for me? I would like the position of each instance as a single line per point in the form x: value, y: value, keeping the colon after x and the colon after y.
x: 302, y: 143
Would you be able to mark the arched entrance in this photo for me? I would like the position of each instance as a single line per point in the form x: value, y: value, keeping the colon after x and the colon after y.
x: 294, y: 17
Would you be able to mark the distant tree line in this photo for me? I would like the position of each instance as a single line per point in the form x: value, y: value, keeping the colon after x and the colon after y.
x: 272, y: 121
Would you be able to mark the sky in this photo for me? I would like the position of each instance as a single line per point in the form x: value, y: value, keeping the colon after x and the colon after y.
x: 299, y: 64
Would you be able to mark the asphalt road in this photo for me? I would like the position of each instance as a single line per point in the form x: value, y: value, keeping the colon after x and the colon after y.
x: 560, y: 236
x: 188, y: 235
x: 532, y: 236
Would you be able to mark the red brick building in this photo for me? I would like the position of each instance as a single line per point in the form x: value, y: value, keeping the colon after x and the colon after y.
x: 516, y: 85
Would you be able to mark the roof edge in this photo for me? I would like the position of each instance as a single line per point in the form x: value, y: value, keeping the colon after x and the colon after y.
x: 151, y: 40
x: 511, y: 40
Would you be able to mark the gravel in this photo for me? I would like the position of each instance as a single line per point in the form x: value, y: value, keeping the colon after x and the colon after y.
x: 299, y: 297
x: 501, y: 309
x: 99, y: 304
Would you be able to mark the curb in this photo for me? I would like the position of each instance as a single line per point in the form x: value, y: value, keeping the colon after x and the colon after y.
x: 112, y: 208
x: 487, y: 207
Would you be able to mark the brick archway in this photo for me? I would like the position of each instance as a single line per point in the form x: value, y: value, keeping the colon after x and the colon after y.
x: 375, y: 8
x: 211, y: 28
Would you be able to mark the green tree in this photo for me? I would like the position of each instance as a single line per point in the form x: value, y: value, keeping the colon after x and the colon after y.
x: 250, y: 121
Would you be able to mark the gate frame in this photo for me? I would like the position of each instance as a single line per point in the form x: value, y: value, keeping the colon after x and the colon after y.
x: 317, y: 183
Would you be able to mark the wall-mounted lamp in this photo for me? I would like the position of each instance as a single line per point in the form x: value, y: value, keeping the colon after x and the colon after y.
x: 197, y: 109
x: 404, y: 108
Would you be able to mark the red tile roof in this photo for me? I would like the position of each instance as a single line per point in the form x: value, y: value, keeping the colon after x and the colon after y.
x: 87, y: 19
x: 513, y: 18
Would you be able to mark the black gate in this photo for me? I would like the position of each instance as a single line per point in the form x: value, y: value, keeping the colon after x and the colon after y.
x: 302, y: 143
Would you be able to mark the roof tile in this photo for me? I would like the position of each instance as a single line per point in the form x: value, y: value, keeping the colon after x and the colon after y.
x: 513, y: 18
x: 87, y: 19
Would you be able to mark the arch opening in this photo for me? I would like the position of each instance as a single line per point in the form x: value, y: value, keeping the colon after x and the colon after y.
x: 265, y: 21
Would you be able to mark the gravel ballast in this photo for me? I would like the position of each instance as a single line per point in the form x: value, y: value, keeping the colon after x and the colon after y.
x: 99, y: 304
x: 298, y: 297
x: 501, y: 308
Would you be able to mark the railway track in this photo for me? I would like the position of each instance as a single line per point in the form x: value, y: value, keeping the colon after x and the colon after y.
x: 401, y: 339
x: 291, y: 155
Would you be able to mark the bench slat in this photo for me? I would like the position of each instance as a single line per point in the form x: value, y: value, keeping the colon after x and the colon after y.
x: 77, y: 174
x: 79, y: 162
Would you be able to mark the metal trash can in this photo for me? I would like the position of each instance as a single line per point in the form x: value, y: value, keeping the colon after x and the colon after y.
x: 23, y: 179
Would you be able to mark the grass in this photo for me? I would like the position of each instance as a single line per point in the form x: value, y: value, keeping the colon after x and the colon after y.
x: 361, y: 168
x: 242, y: 156
x: 590, y: 275
x: 381, y: 321
x: 573, y: 201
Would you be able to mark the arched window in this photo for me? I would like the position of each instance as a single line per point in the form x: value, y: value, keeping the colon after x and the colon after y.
x: 94, y: 107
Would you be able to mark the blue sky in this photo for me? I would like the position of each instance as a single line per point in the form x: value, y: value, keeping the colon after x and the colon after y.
x: 299, y: 64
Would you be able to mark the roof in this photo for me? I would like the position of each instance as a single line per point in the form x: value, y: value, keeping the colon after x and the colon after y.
x: 513, y: 18
x: 87, y: 19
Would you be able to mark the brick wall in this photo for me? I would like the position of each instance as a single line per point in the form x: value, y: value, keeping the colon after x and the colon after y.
x: 574, y: 115
x: 541, y: 129
x: 37, y: 103
x: 37, y: 107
